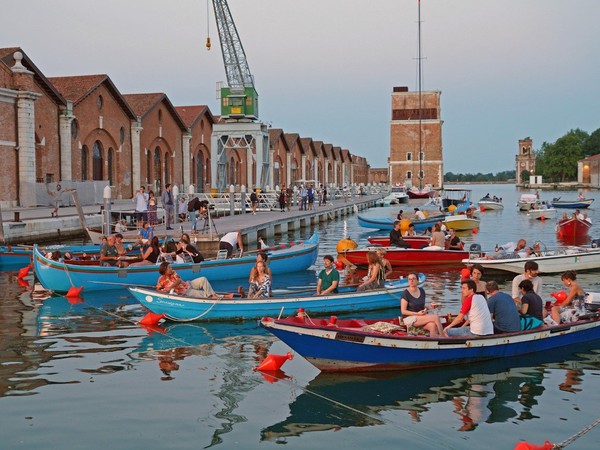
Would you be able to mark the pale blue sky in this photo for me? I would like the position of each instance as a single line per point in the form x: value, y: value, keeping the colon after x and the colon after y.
x: 507, y: 69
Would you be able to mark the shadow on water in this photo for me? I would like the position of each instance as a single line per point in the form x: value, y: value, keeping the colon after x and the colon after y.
x: 491, y: 392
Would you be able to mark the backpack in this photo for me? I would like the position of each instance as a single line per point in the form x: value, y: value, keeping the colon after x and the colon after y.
x: 192, y: 204
x: 253, y: 197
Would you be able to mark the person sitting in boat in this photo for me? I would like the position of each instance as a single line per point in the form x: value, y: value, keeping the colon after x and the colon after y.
x: 329, y: 277
x: 427, y: 231
x: 474, y: 312
x: 510, y: 250
x: 442, y: 226
x: 486, y: 197
x: 263, y: 258
x: 411, y: 230
x: 476, y: 274
x: 530, y: 272
x: 169, y: 281
x: 396, y: 237
x: 455, y: 242
x: 414, y: 311
x: 577, y: 215
x: 419, y: 215
x: 505, y: 315
x: 399, y: 216
x: 150, y: 254
x: 569, y: 309
x: 580, y: 196
x: 438, y: 239
x: 109, y: 255
x: 586, y: 218
x: 385, y: 263
x: 375, y: 278
x: 146, y: 232
x: 260, y: 287
x: 469, y: 213
x: 185, y: 247
x: 121, y: 226
x: 121, y: 250
x: 531, y: 303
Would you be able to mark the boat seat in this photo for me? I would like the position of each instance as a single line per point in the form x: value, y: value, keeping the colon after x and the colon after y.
x: 221, y: 254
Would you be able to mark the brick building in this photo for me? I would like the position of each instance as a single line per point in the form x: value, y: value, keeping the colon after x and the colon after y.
x: 82, y: 129
x: 525, y: 159
x: 408, y: 164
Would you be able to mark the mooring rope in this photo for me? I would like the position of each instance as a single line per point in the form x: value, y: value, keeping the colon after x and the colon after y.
x: 577, y: 435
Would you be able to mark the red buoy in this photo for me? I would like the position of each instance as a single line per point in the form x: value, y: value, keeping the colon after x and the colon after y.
x: 339, y: 265
x: 482, y: 208
x: 475, y: 230
x: 151, y: 319
x: 465, y: 274
x: 24, y: 271
x: 74, y: 300
x: 74, y: 292
x: 547, y: 445
x: 274, y: 362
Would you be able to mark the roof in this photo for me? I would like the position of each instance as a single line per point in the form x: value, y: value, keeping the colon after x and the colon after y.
x: 192, y: 114
x: 6, y: 57
x: 591, y: 158
x: 291, y: 139
x: 142, y: 104
x: 306, y: 145
x: 275, y: 136
x: 76, y: 88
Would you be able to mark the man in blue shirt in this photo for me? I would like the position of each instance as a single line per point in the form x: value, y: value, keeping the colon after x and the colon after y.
x: 329, y: 278
x: 503, y: 309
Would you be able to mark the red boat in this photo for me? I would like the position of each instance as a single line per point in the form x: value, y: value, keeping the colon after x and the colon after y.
x: 415, y: 192
x: 408, y: 257
x: 573, y: 228
x: 416, y: 242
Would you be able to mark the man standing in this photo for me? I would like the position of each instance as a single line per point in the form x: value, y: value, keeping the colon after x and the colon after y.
x: 168, y: 205
x: 329, y: 277
x: 303, y: 198
x: 396, y: 237
x: 474, y: 311
x: 140, y: 199
x: 530, y: 273
x: 503, y: 310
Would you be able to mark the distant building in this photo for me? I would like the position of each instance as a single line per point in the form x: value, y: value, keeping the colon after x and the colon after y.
x: 525, y: 159
x: 588, y: 170
x: 407, y: 162
x: 378, y: 175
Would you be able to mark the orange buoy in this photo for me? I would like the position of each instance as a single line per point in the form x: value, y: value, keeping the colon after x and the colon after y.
x: 465, y: 274
x: 339, y: 265
x: 74, y: 292
x: 543, y: 218
x: 475, y: 230
x: 74, y: 300
x: 560, y: 297
x: 22, y: 282
x: 151, y: 319
x: 24, y: 271
x: 274, y: 362
x: 154, y: 329
x: 273, y: 376
x: 547, y: 445
x: 482, y: 208
x: 345, y: 244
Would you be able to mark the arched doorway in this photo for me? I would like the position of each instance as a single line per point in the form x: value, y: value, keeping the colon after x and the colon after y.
x: 157, y: 171
x: 200, y: 173
x: 97, y: 161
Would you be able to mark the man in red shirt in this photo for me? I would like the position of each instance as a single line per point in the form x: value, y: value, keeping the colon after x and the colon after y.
x: 475, y: 312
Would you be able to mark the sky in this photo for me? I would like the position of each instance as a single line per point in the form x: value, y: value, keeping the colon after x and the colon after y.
x: 507, y: 69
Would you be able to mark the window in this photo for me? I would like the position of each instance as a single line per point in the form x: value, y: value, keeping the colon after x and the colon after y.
x: 422, y: 156
x: 160, y: 116
x: 166, y: 166
x: 122, y: 135
x: 421, y: 174
x: 110, y: 160
x: 157, y: 167
x: 409, y: 175
x: 84, y: 163
x: 409, y: 156
x: 99, y: 103
x: 97, y: 161
x: 74, y: 129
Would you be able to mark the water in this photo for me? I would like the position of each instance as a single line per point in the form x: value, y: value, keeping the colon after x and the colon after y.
x: 83, y: 375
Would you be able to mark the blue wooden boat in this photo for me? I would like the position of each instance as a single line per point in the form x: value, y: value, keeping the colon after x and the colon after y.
x: 185, y: 309
x: 61, y: 276
x: 385, y: 223
x: 575, y: 204
x: 20, y: 255
x: 355, y: 345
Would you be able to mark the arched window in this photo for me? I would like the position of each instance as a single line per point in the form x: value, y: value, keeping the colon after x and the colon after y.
x: 97, y: 161
x: 167, y: 178
x: 157, y: 167
x: 84, y: 163
x: 276, y: 175
x: 199, y: 173
x: 231, y: 172
x: 148, y: 166
x: 110, y: 160
x: 294, y: 172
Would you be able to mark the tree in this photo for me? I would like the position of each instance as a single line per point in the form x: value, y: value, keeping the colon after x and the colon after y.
x: 525, y: 174
x: 591, y: 146
x: 558, y: 161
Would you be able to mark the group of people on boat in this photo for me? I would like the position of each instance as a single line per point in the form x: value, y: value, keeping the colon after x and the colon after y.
x: 493, y: 198
x: 485, y: 310
x: 438, y: 240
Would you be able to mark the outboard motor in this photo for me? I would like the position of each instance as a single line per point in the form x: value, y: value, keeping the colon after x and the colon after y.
x: 595, y: 243
x: 474, y: 251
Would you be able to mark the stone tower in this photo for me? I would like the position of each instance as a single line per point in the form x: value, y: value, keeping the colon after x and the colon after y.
x: 525, y: 159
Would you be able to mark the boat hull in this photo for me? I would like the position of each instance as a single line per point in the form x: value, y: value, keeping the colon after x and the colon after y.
x: 388, y: 224
x: 461, y: 223
x: 490, y: 205
x: 408, y: 257
x: 342, y: 349
x: 573, y: 228
x: 541, y: 214
x: 21, y: 255
x: 183, y: 309
x: 416, y: 242
x: 572, y: 258
x: 576, y: 204
x: 60, y: 277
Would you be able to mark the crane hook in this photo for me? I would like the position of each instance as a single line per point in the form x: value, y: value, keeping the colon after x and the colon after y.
x: 208, y: 43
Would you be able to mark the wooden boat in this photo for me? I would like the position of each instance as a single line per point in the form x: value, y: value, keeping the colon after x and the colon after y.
x: 549, y: 261
x: 97, y: 235
x: 572, y: 204
x: 539, y: 213
x: 399, y: 192
x: 408, y: 257
x: 20, y: 255
x: 363, y: 345
x: 61, y: 276
x: 461, y: 222
x: 527, y: 201
x: 415, y: 192
x: 416, y: 242
x: 385, y: 223
x: 184, y: 309
x: 490, y: 203
x: 573, y: 227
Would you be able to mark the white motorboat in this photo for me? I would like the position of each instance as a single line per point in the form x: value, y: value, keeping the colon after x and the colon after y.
x: 541, y: 213
x: 490, y: 203
x: 527, y: 202
x: 399, y: 192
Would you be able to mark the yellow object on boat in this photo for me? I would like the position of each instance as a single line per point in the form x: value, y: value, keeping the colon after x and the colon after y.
x: 345, y: 244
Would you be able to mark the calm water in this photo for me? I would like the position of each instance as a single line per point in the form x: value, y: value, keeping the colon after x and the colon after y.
x: 85, y: 376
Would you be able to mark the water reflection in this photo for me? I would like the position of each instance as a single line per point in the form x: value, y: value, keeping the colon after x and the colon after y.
x: 493, y: 392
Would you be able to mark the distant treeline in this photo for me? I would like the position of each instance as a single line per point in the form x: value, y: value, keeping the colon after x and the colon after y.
x: 474, y: 177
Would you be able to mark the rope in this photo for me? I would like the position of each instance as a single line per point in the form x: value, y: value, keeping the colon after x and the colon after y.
x: 577, y: 435
x: 68, y: 274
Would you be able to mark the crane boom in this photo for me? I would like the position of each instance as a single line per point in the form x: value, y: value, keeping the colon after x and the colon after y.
x: 239, y: 100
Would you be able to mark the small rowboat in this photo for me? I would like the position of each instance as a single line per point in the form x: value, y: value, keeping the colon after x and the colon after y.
x: 386, y: 223
x: 415, y: 192
x: 573, y: 227
x: 356, y: 345
x: 572, y: 204
x: 461, y: 222
x: 185, y: 309
x: 416, y: 242
x: 20, y: 255
x: 541, y: 213
x: 408, y: 256
x: 61, y: 276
